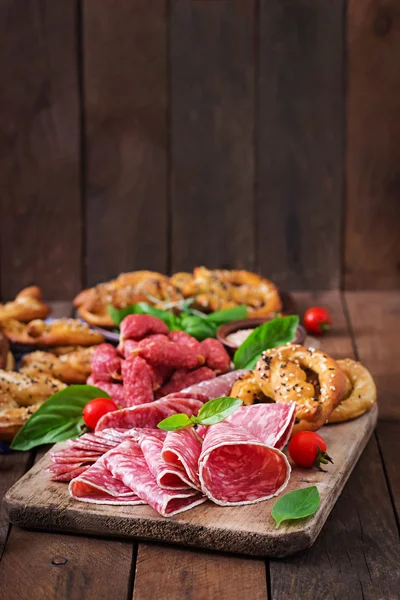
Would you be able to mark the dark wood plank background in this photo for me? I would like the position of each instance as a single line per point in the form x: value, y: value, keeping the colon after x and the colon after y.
x: 171, y: 133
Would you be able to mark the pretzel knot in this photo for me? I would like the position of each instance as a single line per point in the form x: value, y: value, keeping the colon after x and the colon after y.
x: 308, y: 377
x: 360, y: 393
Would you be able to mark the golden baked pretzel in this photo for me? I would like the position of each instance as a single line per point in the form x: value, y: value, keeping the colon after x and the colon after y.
x: 128, y: 288
x: 247, y: 389
x: 222, y: 288
x: 72, y: 368
x: 360, y: 393
x: 309, y: 377
x: 21, y: 390
x: 27, y: 305
x: 58, y: 332
x: 12, y: 419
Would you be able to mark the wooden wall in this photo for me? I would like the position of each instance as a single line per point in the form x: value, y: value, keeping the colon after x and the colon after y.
x: 262, y: 134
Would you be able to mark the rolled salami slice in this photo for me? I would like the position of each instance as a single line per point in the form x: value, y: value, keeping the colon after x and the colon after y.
x: 150, y: 414
x: 127, y: 463
x: 69, y: 475
x: 167, y: 476
x: 235, y: 468
x: 182, y: 449
x: 271, y: 423
x: 98, y: 486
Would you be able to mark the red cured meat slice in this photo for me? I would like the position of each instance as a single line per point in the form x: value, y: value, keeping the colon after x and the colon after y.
x: 66, y: 477
x: 167, y: 476
x: 106, y: 364
x: 139, y: 380
x: 59, y: 468
x: 127, y: 463
x: 114, y: 390
x: 235, y: 468
x: 272, y: 423
x: 149, y: 415
x: 137, y: 327
x: 126, y: 348
x: 97, y: 485
x: 216, y: 357
x: 215, y: 388
x: 137, y: 432
x: 112, y: 433
x: 182, y: 449
x: 59, y: 457
x: 182, y: 378
x: 89, y: 446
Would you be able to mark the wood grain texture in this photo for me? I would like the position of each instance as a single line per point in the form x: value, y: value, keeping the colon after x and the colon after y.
x: 388, y: 433
x: 125, y: 83
x: 375, y: 318
x: 39, y: 503
x: 356, y: 555
x: 64, y: 567
x: 40, y: 227
x: 196, y: 575
x: 373, y: 139
x: 300, y: 142
x: 212, y: 128
x: 12, y: 467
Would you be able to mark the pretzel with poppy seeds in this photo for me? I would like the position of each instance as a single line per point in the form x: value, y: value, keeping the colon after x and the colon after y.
x: 360, y: 393
x: 309, y: 377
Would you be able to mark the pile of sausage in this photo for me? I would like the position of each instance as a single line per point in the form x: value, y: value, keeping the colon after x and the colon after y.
x: 152, y: 362
x: 129, y: 461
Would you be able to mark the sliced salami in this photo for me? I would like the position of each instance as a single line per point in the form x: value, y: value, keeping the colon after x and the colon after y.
x: 167, y: 476
x: 60, y: 468
x: 235, y: 468
x: 127, y: 463
x: 182, y: 449
x: 218, y: 387
x: 271, y: 424
x: 106, y: 364
x: 97, y: 485
x: 68, y: 476
x: 114, y: 390
x: 149, y: 415
x: 60, y: 457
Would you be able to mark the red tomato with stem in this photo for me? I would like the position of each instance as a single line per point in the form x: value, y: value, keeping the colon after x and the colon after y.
x: 317, y: 320
x: 97, y: 408
x: 308, y: 449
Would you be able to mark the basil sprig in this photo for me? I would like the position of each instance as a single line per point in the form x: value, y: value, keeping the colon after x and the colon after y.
x: 193, y: 322
x: 274, y: 333
x: 212, y: 412
x: 57, y: 419
x: 296, y: 505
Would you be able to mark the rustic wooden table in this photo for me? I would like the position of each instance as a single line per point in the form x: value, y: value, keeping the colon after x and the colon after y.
x: 356, y: 556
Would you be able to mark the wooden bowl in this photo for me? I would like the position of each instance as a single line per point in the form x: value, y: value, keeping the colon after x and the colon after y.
x: 224, y: 330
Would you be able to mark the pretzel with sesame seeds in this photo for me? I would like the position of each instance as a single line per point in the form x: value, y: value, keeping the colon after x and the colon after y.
x: 309, y: 377
x: 360, y: 392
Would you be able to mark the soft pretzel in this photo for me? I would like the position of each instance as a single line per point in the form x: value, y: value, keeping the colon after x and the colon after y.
x: 309, y: 377
x: 360, y: 394
x: 25, y: 391
x: 247, y: 389
x: 222, y: 288
x: 128, y: 288
x: 61, y: 332
x: 72, y: 368
x: 12, y: 419
x: 27, y: 305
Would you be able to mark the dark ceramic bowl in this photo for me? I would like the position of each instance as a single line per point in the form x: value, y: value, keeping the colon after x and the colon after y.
x: 224, y: 330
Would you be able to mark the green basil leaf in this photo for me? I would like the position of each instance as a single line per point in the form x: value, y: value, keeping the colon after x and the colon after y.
x: 57, y: 419
x: 118, y: 315
x: 175, y: 422
x: 216, y: 410
x: 274, y: 333
x: 296, y: 505
x: 221, y: 317
x: 197, y: 327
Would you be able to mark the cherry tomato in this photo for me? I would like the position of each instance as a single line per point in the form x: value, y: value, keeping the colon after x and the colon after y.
x: 317, y: 320
x: 95, y: 409
x: 308, y: 449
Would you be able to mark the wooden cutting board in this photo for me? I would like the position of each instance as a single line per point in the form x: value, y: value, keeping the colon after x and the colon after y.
x: 36, y: 502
